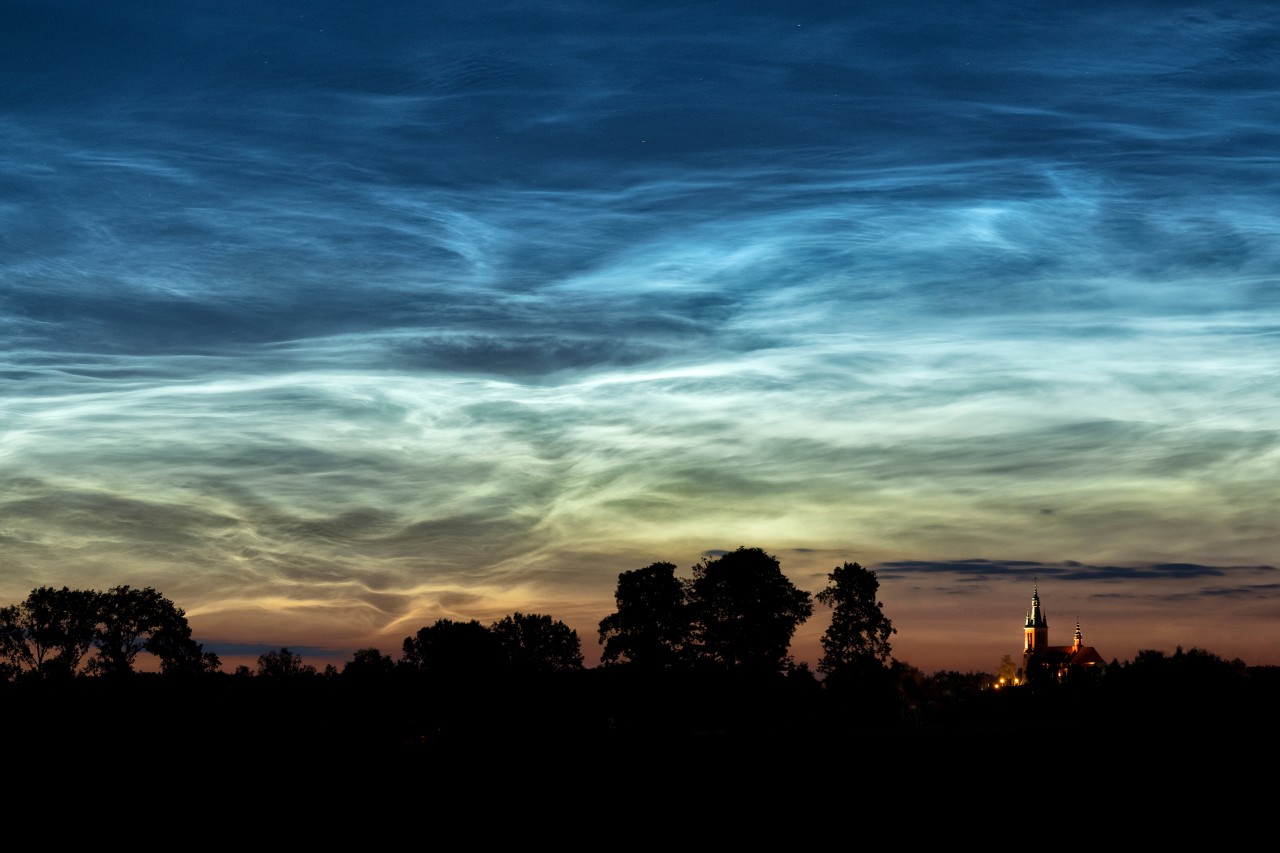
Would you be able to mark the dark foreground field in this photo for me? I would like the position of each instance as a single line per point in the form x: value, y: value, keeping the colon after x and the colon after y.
x: 618, y: 745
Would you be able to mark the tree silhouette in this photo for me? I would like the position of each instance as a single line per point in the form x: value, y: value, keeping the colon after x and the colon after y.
x: 1187, y: 685
x: 745, y: 611
x: 452, y: 649
x: 179, y: 654
x: 50, y: 632
x: 132, y: 620
x: 368, y: 664
x: 1007, y: 672
x: 534, y: 643
x: 282, y: 664
x: 856, y: 644
x: 652, y: 625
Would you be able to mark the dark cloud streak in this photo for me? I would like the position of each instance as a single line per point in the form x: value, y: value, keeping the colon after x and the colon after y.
x: 1067, y: 571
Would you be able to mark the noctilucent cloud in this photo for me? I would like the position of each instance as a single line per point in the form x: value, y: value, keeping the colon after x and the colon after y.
x: 332, y: 319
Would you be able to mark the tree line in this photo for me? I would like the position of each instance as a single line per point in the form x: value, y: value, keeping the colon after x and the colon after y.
x: 709, y: 649
x: 740, y: 612
x: 737, y: 613
x: 681, y: 658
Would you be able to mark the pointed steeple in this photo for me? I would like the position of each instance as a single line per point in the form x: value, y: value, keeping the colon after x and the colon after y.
x: 1036, y: 619
x: 1035, y: 633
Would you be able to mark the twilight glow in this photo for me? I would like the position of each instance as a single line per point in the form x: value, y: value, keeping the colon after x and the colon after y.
x: 331, y: 319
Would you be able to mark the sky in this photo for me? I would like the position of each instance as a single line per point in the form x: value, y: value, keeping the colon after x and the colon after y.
x: 331, y: 319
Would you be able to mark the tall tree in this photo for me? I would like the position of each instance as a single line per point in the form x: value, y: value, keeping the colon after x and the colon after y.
x: 746, y: 611
x: 453, y: 649
x: 652, y: 625
x: 1007, y: 672
x: 19, y: 648
x: 857, y: 641
x: 128, y: 620
x: 179, y: 654
x: 51, y: 631
x: 535, y: 643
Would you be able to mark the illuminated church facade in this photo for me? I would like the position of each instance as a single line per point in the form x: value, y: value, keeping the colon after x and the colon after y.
x: 1041, y: 660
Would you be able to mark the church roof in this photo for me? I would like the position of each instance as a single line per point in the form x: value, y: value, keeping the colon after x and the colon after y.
x: 1085, y: 656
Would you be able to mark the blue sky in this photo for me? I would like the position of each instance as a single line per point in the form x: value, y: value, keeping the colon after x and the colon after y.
x: 332, y: 319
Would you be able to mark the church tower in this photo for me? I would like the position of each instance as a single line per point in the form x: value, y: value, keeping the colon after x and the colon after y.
x: 1036, y: 630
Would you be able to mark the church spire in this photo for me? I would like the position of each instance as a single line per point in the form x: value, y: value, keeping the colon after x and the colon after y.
x: 1035, y: 619
x: 1036, y: 630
